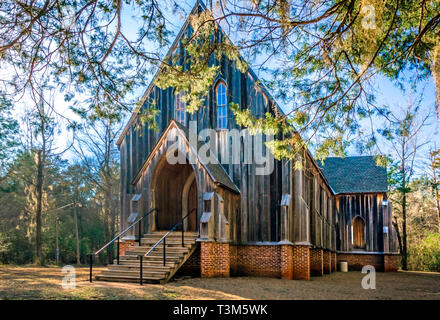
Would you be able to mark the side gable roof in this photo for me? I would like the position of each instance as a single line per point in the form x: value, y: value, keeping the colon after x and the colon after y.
x: 215, y: 170
x: 201, y: 5
x: 355, y: 175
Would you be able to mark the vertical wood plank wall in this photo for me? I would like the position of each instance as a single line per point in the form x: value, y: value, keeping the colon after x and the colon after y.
x: 316, y: 215
x: 376, y: 216
x: 257, y: 216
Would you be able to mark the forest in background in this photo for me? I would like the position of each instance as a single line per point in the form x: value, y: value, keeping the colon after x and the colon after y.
x: 322, y: 60
x: 56, y: 210
x: 79, y: 199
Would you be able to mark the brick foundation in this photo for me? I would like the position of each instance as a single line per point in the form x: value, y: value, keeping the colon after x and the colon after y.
x: 391, y: 263
x: 191, y: 267
x: 256, y: 260
x: 214, y: 259
x: 381, y: 262
x: 357, y: 261
x: 301, y: 262
x: 287, y: 261
x: 280, y: 261
x: 327, y: 261
x: 334, y: 262
x: 124, y: 245
x: 316, y: 262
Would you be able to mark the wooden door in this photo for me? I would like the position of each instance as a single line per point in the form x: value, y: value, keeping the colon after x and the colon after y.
x: 358, y: 233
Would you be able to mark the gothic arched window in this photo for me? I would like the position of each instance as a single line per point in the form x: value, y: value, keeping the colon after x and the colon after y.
x: 179, y: 108
x: 222, y: 111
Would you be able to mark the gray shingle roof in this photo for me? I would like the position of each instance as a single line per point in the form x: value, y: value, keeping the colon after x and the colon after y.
x: 354, y: 174
x: 215, y: 169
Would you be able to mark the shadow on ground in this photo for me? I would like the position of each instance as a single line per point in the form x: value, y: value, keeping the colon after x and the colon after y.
x: 45, y: 283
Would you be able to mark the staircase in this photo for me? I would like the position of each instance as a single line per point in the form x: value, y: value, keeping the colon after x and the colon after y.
x: 153, y: 270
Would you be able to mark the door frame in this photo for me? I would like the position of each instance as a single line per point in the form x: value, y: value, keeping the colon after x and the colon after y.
x: 185, y: 193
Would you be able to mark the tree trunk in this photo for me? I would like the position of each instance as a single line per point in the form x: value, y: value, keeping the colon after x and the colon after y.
x: 75, y: 216
x: 404, y: 191
x: 39, y: 194
x: 399, y: 238
x: 437, y: 202
x: 108, y: 214
x: 57, y: 247
x: 404, y: 237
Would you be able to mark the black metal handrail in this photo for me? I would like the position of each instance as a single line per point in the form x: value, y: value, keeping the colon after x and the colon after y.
x: 164, y: 239
x: 138, y: 221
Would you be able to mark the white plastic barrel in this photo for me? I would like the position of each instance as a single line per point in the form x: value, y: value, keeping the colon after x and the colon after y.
x: 343, y: 266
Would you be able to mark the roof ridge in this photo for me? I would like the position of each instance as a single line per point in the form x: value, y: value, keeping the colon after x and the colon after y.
x: 198, y: 4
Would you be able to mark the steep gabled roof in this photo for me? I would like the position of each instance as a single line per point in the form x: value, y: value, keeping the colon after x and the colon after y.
x: 202, y: 6
x: 214, y: 170
x: 355, y: 175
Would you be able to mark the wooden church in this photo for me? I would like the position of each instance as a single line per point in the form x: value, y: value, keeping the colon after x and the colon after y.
x: 224, y: 218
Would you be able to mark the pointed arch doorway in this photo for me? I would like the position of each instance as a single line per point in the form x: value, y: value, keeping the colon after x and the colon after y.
x: 174, y: 190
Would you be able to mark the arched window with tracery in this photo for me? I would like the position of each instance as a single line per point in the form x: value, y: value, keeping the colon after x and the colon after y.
x: 358, y: 232
x: 179, y: 108
x: 222, y: 111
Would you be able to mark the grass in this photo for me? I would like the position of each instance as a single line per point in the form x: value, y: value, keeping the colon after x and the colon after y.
x: 29, y: 282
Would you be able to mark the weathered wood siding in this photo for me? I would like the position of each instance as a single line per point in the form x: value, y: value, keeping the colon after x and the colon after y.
x: 314, y: 214
x: 376, y: 216
x: 257, y: 216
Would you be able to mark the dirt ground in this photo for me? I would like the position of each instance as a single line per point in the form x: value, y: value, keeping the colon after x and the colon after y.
x: 45, y: 283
